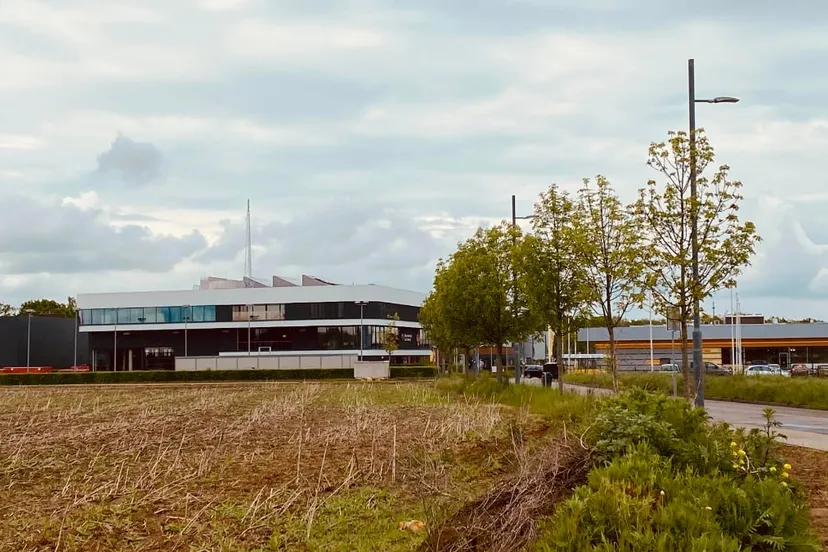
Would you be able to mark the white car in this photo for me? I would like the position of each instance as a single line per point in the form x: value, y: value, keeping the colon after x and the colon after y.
x: 766, y: 370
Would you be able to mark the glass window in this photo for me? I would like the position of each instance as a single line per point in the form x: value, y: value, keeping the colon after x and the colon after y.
x: 150, y: 315
x: 109, y: 316
x: 240, y: 313
x: 163, y: 315
x: 275, y: 312
x: 176, y: 315
x: 97, y: 316
x: 209, y: 313
x: 187, y: 314
x: 136, y: 315
x: 259, y: 312
x: 197, y: 314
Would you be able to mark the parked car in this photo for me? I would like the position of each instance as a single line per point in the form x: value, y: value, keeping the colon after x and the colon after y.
x: 800, y: 370
x: 533, y: 371
x: 765, y: 370
x: 714, y: 369
x: 669, y: 368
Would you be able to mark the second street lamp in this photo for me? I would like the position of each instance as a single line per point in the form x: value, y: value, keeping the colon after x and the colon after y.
x: 698, y: 363
x: 515, y: 218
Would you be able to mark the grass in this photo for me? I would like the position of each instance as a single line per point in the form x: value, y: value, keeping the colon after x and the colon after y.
x: 804, y: 392
x: 308, y: 466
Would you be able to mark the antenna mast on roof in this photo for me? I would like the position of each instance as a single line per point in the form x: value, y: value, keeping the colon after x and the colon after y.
x: 248, y: 250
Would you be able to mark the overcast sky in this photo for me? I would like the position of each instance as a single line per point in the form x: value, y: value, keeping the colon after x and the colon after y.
x: 372, y: 135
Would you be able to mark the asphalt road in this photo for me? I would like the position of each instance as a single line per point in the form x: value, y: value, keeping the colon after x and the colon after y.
x: 804, y: 427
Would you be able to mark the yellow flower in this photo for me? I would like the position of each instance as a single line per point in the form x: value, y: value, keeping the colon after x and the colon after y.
x: 784, y: 484
x: 785, y: 475
x: 742, y: 453
x: 773, y: 469
x: 787, y: 466
x: 733, y: 444
x: 735, y: 466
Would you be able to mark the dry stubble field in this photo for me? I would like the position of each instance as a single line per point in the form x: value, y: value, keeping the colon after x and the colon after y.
x: 275, y: 466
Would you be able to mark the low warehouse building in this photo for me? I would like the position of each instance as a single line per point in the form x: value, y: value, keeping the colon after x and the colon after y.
x: 783, y: 344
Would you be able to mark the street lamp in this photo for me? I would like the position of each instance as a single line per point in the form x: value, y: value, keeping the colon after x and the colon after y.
x: 186, y: 316
x: 515, y: 218
x: 361, y: 326
x: 28, y: 338
x: 694, y: 230
x: 258, y: 355
x: 115, y: 344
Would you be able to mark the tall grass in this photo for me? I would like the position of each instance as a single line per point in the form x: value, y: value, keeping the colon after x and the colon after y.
x: 548, y: 403
x: 804, y: 392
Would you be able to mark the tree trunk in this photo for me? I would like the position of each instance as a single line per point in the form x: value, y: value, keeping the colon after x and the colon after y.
x: 467, y: 365
x: 613, y: 359
x: 559, y: 356
x: 685, y: 364
x: 500, y: 368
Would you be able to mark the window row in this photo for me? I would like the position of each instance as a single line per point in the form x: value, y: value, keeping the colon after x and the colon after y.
x: 148, y: 315
x: 258, y: 312
x: 328, y: 338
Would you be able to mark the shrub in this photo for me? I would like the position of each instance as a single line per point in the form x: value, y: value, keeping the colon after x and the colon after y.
x: 642, y: 502
x: 670, y: 482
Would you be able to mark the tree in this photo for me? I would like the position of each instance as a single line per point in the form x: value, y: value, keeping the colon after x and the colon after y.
x: 448, y: 314
x: 7, y: 310
x: 480, y: 276
x: 609, y: 249
x: 391, y: 336
x: 665, y: 213
x: 550, y: 277
x: 50, y: 307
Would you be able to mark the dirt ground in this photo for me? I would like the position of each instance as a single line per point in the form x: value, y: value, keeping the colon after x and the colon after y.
x: 809, y: 468
x: 265, y: 467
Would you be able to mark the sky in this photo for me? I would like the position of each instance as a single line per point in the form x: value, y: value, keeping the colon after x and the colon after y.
x: 372, y: 135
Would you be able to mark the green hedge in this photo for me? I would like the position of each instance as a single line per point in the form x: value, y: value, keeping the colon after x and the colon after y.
x: 168, y: 376
x: 804, y: 392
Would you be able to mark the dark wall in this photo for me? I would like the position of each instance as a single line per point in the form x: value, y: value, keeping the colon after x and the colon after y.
x: 52, y: 342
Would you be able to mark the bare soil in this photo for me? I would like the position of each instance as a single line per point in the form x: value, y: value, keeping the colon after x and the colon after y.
x: 271, y: 466
x: 810, y: 469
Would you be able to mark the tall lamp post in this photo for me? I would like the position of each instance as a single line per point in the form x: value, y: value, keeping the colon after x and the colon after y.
x: 186, y: 317
x: 361, y: 327
x: 515, y: 218
x: 115, y: 344
x: 28, y: 338
x: 698, y: 363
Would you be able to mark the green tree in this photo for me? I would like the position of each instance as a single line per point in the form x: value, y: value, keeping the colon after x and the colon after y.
x: 448, y: 314
x: 50, y: 307
x: 610, y: 250
x: 550, y: 277
x: 493, y: 310
x: 7, y: 310
x: 391, y: 335
x: 666, y: 212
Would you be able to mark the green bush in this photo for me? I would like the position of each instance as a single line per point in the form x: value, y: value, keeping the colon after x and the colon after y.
x: 643, y: 502
x: 669, y: 481
x: 170, y: 376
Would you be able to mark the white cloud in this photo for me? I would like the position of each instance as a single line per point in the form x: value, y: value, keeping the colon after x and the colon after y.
x: 434, y: 113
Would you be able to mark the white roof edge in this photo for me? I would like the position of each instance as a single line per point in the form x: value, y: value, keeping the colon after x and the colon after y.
x: 241, y: 296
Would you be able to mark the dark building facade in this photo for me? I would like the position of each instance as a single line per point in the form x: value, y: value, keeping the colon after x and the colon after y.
x: 149, y: 330
x: 51, y: 342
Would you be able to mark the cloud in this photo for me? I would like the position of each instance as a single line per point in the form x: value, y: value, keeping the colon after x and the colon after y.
x: 73, y: 236
x: 371, y: 135
x: 135, y: 163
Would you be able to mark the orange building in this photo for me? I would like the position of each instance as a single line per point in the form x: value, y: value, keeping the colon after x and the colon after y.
x: 783, y: 344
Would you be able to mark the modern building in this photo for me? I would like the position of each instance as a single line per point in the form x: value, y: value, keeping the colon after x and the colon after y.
x: 312, y: 324
x: 784, y: 344
x: 41, y: 341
